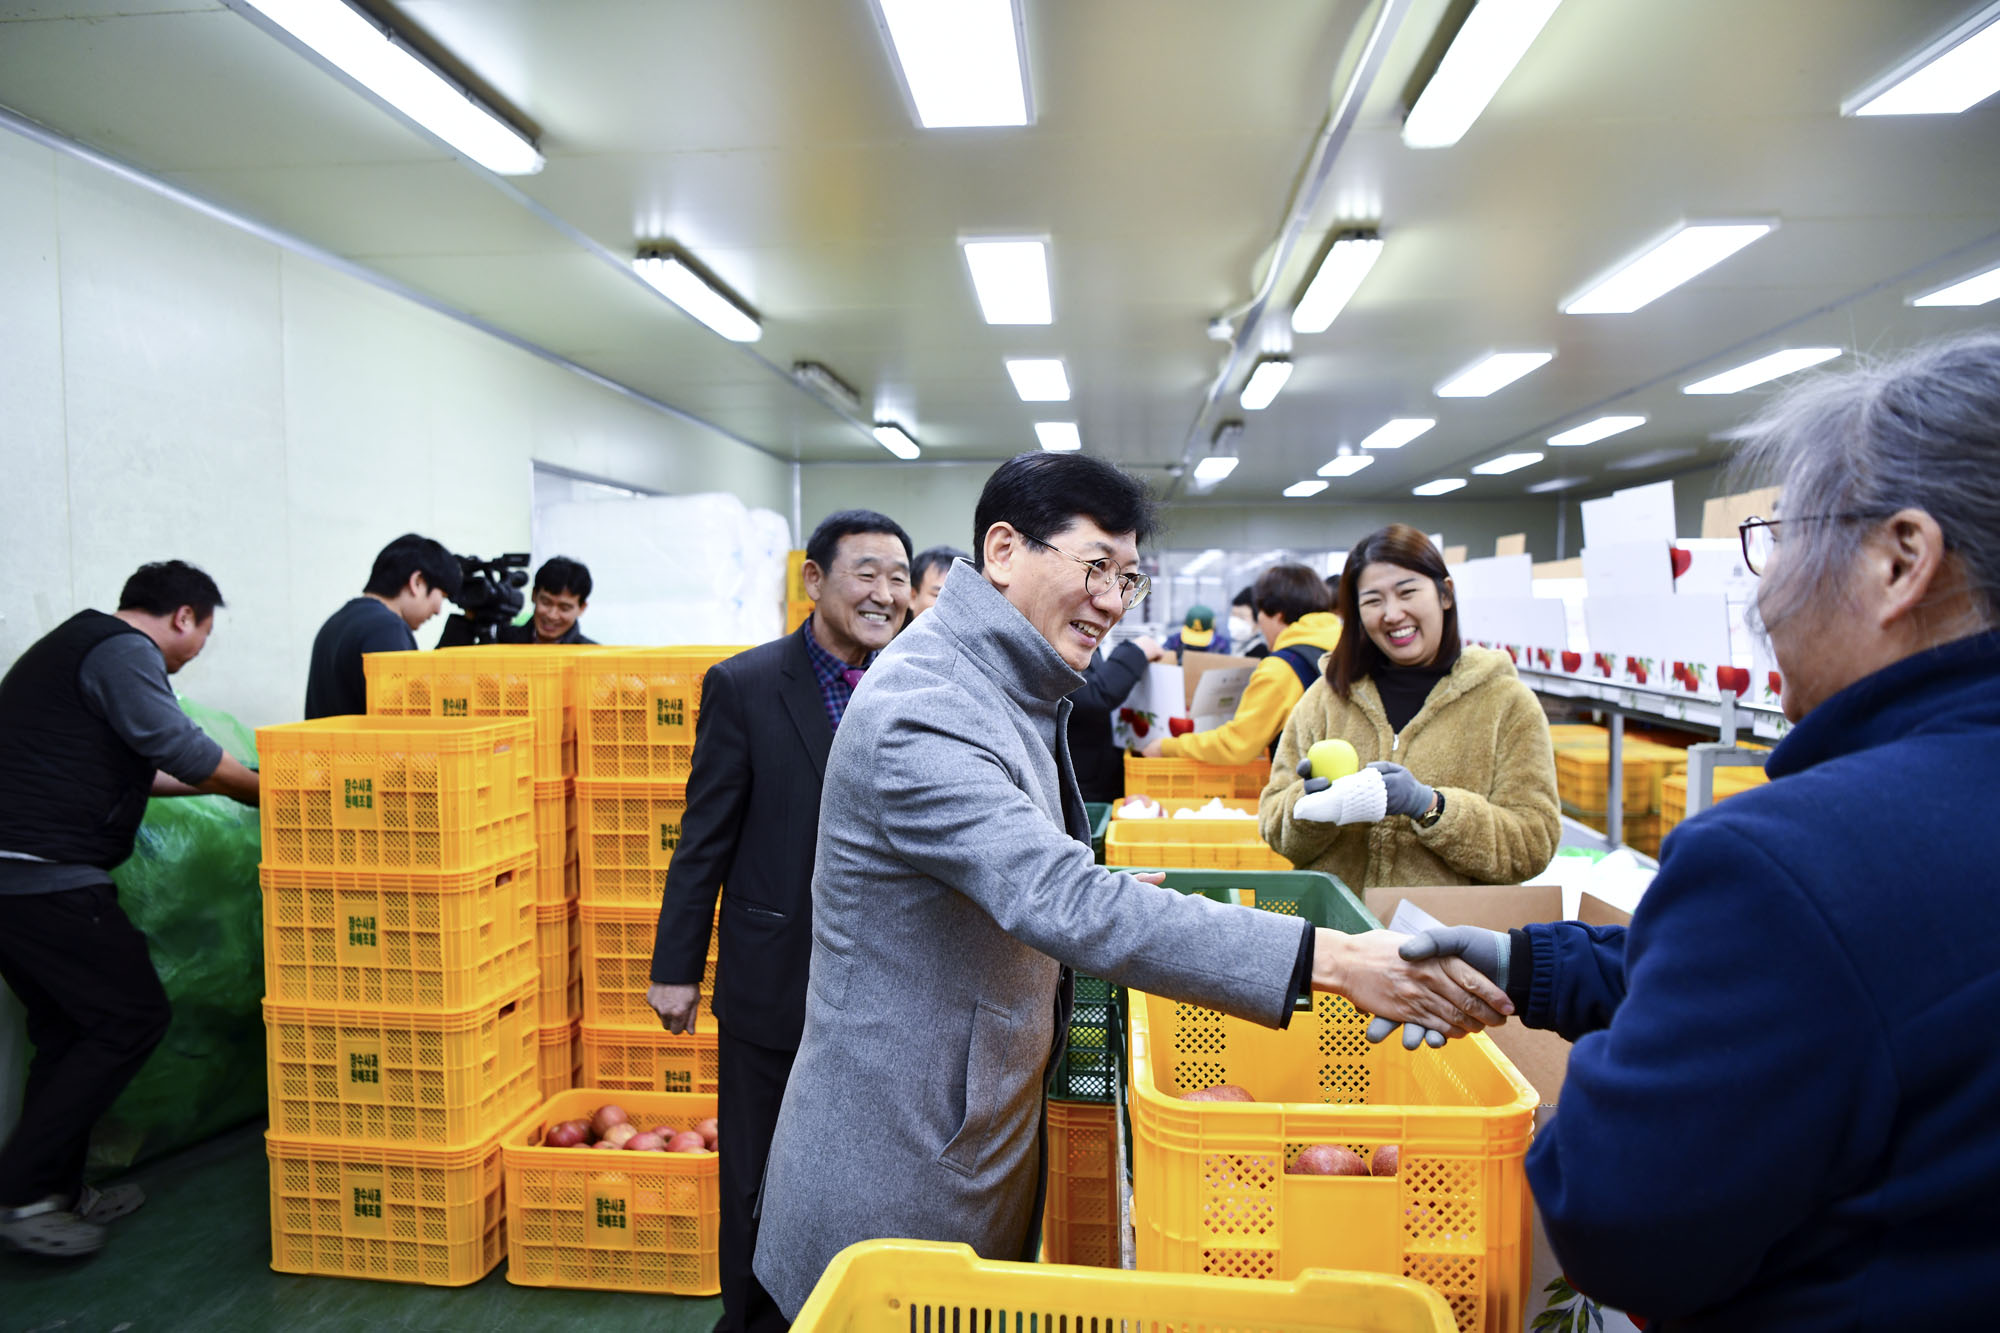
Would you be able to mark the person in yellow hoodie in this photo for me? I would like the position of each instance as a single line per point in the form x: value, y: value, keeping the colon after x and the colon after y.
x: 1294, y: 610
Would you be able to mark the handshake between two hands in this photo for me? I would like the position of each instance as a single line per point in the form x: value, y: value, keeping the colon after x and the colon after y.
x: 1444, y: 982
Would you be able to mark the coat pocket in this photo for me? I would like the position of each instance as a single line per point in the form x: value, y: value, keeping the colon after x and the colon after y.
x: 828, y: 977
x: 992, y: 1062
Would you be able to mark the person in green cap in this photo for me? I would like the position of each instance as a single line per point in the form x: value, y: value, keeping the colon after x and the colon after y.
x: 1198, y: 632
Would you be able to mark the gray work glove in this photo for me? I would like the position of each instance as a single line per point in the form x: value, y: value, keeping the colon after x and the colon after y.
x: 1406, y: 795
x: 1486, y: 950
x: 1413, y: 1035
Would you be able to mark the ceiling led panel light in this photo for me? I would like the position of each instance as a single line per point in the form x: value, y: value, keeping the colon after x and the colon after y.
x: 1346, y: 465
x: 1334, y: 285
x: 1496, y: 35
x: 1975, y: 290
x: 896, y: 440
x: 1058, y: 437
x: 1265, y: 381
x: 1505, y: 463
x: 368, y: 55
x: 1959, y: 71
x: 1492, y: 373
x: 1442, y: 486
x: 1397, y: 432
x: 1590, y: 432
x: 1039, y: 380
x: 1690, y: 251
x: 1762, y: 370
x: 1012, y: 280
x: 1300, y: 490
x: 961, y: 61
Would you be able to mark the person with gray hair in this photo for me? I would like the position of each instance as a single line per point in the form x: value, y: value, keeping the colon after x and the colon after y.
x: 1781, y: 1109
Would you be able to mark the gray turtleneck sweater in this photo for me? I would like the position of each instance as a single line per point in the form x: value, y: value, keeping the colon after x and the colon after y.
x: 953, y: 891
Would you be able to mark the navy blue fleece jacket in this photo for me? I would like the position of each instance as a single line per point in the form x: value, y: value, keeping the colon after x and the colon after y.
x: 1783, y: 1105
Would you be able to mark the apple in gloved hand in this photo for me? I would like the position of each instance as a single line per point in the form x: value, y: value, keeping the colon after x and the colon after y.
x: 1332, y: 759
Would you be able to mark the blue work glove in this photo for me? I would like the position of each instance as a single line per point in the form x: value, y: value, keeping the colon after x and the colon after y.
x: 1406, y: 795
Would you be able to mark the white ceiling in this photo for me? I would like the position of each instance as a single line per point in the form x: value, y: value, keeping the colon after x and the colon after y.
x: 770, y: 138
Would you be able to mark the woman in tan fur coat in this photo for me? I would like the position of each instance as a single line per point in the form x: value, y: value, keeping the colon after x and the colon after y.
x: 1459, y: 783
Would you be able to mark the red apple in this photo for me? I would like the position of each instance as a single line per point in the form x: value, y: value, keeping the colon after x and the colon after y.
x: 1388, y: 1158
x: 686, y: 1141
x: 646, y: 1142
x: 1221, y: 1092
x: 1327, y: 1159
x: 709, y: 1130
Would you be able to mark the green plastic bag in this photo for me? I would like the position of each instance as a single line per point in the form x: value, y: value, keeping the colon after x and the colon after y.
x: 191, y: 886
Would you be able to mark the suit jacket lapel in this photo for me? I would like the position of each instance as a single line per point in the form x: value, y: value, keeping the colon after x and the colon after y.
x: 800, y: 691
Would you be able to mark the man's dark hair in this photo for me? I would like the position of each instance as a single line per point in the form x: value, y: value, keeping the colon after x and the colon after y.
x: 411, y: 554
x: 1243, y: 598
x: 1291, y: 592
x: 164, y: 588
x: 824, y: 544
x: 1356, y: 655
x: 937, y: 557
x: 560, y: 574
x: 1040, y: 495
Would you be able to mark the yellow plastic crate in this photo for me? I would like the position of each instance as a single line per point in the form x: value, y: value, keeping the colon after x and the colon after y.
x: 1191, y: 844
x: 1211, y: 1195
x: 531, y: 681
x: 1190, y: 779
x: 558, y: 1058
x: 398, y: 1076
x: 637, y: 1060
x: 395, y: 793
x: 795, y: 576
x: 393, y: 1214
x: 404, y: 941
x: 1565, y: 735
x: 636, y: 1221
x: 796, y: 613
x: 1727, y: 782
x: 618, y: 965
x: 1080, y: 1217
x: 895, y: 1286
x: 636, y: 709
x: 626, y: 836
x: 1177, y: 803
x: 1583, y: 775
x: 1643, y: 832
x: 559, y: 961
x: 555, y: 839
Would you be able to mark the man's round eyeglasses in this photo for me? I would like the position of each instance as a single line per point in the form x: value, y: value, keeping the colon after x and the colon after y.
x: 1099, y: 577
x: 1760, y: 535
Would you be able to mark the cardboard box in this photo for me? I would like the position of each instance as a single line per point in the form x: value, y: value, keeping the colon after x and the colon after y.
x: 1542, y: 1057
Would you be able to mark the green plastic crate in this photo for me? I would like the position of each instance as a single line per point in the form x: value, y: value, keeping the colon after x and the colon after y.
x: 1099, y: 814
x: 1095, y: 1057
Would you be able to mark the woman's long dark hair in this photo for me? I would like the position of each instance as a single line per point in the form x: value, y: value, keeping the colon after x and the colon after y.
x: 1356, y: 655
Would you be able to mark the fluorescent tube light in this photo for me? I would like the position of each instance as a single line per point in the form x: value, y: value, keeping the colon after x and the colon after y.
x: 1058, y: 437
x: 1346, y: 465
x: 1763, y: 369
x: 1496, y: 35
x: 896, y: 440
x: 1590, y: 432
x: 366, y: 53
x: 1214, y: 468
x: 1266, y: 379
x: 1339, y: 275
x: 1505, y: 463
x: 1202, y: 561
x: 1011, y: 279
x: 668, y: 274
x: 1691, y: 250
x: 1555, y: 484
x: 1397, y: 432
x: 1039, y: 380
x: 1975, y: 290
x: 1492, y: 373
x: 1442, y: 486
x: 961, y: 61
x: 1960, y: 70
x: 1300, y: 490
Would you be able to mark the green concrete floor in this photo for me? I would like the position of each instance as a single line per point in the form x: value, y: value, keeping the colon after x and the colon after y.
x: 198, y: 1256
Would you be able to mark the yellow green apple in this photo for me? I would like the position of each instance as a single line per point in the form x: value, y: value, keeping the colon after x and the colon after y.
x: 1333, y: 759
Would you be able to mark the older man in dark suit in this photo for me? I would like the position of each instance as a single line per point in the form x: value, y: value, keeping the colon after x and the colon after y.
x: 766, y: 724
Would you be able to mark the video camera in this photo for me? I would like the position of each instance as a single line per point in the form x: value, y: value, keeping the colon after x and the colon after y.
x: 489, y: 596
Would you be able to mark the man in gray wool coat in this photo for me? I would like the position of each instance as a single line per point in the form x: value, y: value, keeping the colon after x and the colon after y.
x: 954, y: 891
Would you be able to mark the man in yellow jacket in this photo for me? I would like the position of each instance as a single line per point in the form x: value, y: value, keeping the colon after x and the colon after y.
x: 1294, y: 610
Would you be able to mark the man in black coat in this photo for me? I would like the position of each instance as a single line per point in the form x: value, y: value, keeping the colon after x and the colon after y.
x: 762, y: 735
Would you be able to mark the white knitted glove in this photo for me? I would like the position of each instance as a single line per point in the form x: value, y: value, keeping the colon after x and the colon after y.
x: 1358, y: 798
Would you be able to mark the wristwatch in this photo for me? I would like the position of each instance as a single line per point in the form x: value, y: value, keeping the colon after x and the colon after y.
x: 1436, y: 811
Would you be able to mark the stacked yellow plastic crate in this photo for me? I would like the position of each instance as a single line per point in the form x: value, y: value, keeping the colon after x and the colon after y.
x: 635, y: 714
x: 401, y: 994
x: 534, y: 682
x: 1583, y: 779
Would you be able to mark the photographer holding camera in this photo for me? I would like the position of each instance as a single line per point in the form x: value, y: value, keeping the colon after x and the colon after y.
x: 412, y: 579
x: 562, y: 591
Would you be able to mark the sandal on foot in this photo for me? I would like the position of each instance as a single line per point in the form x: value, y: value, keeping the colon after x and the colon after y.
x: 108, y: 1205
x: 47, y: 1228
